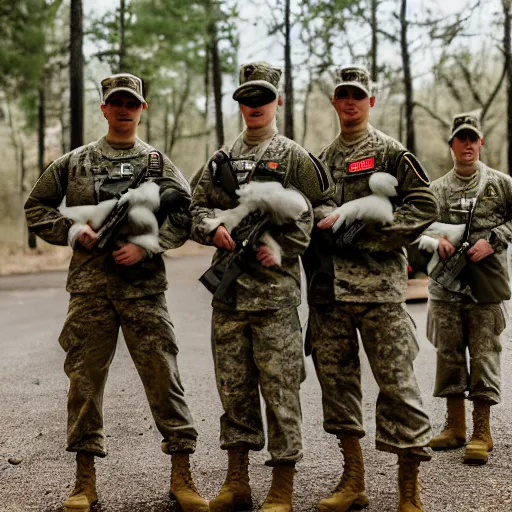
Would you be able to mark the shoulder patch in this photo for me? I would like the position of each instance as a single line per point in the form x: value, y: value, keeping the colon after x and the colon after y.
x: 155, y: 164
x: 490, y: 192
x: 415, y: 166
x: 321, y: 173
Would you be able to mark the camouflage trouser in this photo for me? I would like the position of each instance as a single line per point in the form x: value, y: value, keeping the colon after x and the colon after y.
x: 454, y: 327
x: 89, y: 337
x: 265, y: 348
x: 388, y: 338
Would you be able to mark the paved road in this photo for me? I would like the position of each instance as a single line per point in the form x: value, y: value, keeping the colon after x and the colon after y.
x: 134, y: 477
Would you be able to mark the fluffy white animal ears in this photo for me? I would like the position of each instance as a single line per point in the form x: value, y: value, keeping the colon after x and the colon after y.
x: 383, y: 184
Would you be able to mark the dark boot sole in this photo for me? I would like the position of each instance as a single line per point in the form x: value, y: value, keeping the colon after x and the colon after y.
x: 237, y: 506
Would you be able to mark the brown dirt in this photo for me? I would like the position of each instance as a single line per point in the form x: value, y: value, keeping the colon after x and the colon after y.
x: 48, y: 257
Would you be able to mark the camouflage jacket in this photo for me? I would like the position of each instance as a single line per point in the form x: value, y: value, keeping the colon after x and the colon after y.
x: 77, y: 177
x: 375, y: 268
x: 492, y: 217
x: 264, y: 288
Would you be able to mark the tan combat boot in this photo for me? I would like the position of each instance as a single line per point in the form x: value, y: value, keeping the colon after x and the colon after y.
x: 349, y: 493
x: 279, y: 498
x: 454, y: 433
x: 183, y: 490
x: 84, y: 493
x: 235, y: 493
x: 409, y: 485
x: 478, y: 448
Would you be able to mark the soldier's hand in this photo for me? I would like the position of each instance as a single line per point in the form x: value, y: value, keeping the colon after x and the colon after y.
x: 222, y: 239
x: 445, y: 248
x: 129, y: 254
x: 266, y: 256
x: 88, y: 237
x: 480, y: 250
x: 328, y: 222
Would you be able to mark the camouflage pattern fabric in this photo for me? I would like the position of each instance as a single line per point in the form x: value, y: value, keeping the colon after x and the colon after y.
x: 89, y: 337
x: 77, y: 177
x: 492, y: 214
x: 265, y: 349
x: 467, y: 121
x: 388, y: 339
x: 453, y: 327
x: 259, y: 83
x: 272, y: 287
x: 354, y: 76
x: 375, y: 269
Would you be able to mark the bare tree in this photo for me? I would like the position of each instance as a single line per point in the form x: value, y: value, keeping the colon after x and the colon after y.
x: 410, y: 138
x: 508, y: 70
x: 76, y: 74
x: 288, y: 77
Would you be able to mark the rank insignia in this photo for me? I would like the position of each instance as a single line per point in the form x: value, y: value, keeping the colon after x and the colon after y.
x: 362, y: 165
x: 155, y: 164
x: 490, y: 192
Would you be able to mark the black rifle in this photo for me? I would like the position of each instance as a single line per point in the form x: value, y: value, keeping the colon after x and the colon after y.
x: 118, y: 214
x: 220, y: 277
x: 446, y: 272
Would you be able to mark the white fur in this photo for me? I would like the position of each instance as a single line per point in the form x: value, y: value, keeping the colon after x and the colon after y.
x: 147, y: 194
x: 143, y: 201
x: 375, y: 207
x: 284, y: 204
x: 429, y: 241
x: 92, y: 214
x: 274, y: 247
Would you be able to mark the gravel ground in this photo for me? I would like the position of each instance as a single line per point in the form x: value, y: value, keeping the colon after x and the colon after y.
x: 134, y: 477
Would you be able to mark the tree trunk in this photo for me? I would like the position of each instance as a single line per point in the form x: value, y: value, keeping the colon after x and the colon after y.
x: 508, y: 61
x: 122, y: 46
x: 179, y: 112
x: 374, y: 70
x: 305, y: 109
x: 217, y: 83
x: 410, y: 139
x: 76, y: 75
x: 207, y: 98
x: 288, y: 78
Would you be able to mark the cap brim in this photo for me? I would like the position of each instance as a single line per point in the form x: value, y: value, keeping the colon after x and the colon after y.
x: 239, y: 94
x: 465, y: 127
x: 351, y: 84
x: 125, y: 89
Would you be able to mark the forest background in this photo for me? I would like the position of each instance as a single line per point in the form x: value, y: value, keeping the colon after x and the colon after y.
x: 429, y: 60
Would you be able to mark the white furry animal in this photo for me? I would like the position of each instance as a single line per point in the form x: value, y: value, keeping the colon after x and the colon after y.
x: 283, y: 204
x: 429, y: 241
x: 142, y: 226
x: 374, y: 207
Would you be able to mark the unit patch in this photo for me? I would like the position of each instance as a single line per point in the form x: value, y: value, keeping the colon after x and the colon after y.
x: 362, y: 165
x: 490, y: 192
x: 155, y: 164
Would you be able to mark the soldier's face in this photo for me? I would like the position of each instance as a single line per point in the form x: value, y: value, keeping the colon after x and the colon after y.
x: 258, y: 117
x: 466, y: 147
x: 122, y: 112
x: 352, y: 105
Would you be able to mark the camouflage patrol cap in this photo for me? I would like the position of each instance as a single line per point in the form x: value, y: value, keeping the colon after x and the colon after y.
x: 466, y: 121
x: 123, y: 82
x: 354, y: 76
x: 258, y: 84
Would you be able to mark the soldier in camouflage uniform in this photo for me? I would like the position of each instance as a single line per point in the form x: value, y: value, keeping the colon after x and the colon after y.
x: 370, y: 279
x: 256, y: 334
x: 119, y: 286
x: 471, y: 318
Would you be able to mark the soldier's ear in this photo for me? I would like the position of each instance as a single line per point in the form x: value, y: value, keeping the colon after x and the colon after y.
x: 103, y: 108
x: 482, y: 141
x: 372, y: 101
x: 280, y: 101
